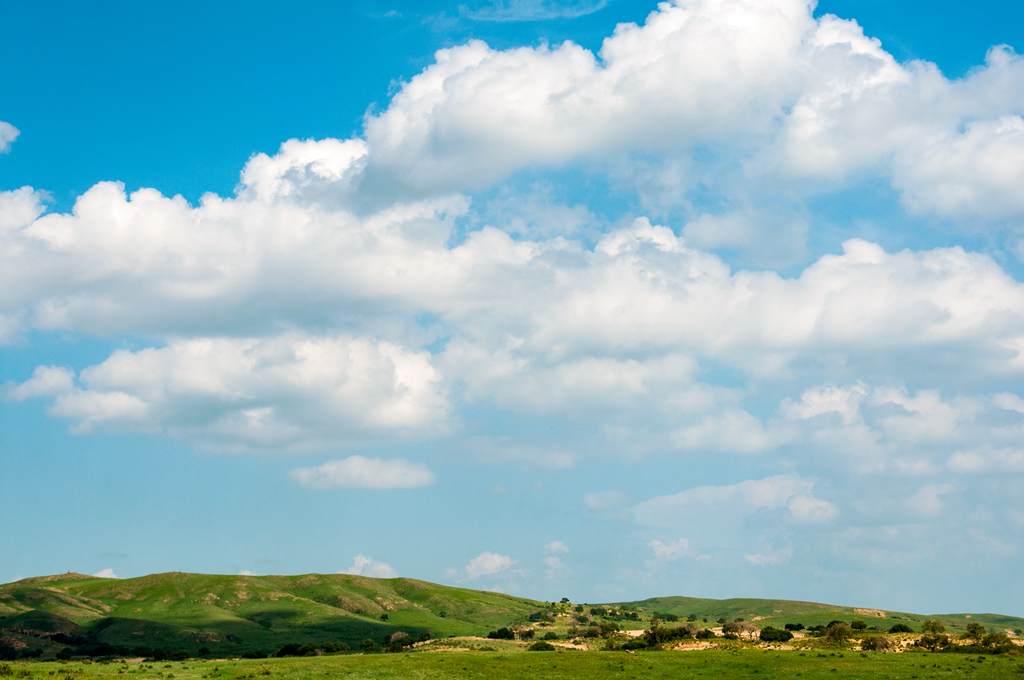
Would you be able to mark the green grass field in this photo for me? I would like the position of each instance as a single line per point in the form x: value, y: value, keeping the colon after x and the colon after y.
x: 509, y: 665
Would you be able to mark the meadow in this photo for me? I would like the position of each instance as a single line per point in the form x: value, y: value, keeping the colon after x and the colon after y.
x: 506, y: 664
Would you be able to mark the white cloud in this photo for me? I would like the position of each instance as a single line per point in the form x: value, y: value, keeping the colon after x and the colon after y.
x: 535, y: 10
x: 811, y: 510
x: 8, y: 133
x: 670, y: 551
x: 357, y: 472
x: 771, y: 493
x: 246, y: 572
x: 290, y: 391
x: 487, y: 563
x: 770, y: 557
x: 779, y: 89
x: 556, y: 547
x: 365, y: 566
x: 555, y: 567
x: 106, y: 573
x: 927, y: 502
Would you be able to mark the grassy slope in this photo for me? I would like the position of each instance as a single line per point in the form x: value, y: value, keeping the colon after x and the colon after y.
x: 234, y: 614
x: 259, y: 612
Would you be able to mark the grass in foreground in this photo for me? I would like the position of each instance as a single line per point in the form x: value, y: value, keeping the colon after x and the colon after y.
x: 507, y: 665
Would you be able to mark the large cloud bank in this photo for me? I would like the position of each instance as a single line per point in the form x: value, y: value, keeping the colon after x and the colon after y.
x: 358, y: 290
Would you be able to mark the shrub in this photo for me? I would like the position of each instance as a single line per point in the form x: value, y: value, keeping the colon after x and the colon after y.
x: 720, y: 619
x: 691, y: 618
x: 635, y: 643
x: 541, y: 646
x: 771, y: 634
x: 996, y: 640
x: 181, y: 655
x: 837, y: 633
x: 704, y: 634
x: 253, y: 654
x: 858, y: 625
x: 933, y: 627
x: 550, y: 635
x: 794, y: 626
x: 876, y: 643
x: 334, y: 647
x: 309, y: 649
x: 933, y: 642
x: 288, y: 650
x: 527, y: 634
x: 369, y: 647
x: 901, y: 628
x: 501, y: 634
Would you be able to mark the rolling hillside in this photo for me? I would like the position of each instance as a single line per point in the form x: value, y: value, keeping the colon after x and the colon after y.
x: 230, y: 615
x: 234, y: 614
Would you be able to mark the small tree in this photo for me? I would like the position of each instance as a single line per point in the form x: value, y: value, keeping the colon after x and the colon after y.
x: 901, y: 628
x: 858, y: 625
x: 932, y: 627
x: 975, y: 631
x: 837, y: 633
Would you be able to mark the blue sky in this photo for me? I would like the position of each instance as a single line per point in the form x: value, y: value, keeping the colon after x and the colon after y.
x: 599, y: 300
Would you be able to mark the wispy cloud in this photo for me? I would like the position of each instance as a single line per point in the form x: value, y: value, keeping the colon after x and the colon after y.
x: 534, y: 10
x: 357, y: 472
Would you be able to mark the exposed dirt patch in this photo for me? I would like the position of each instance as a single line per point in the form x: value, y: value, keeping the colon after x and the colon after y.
x: 870, y: 612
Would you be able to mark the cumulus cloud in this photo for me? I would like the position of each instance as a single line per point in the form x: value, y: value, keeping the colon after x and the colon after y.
x: 778, y: 88
x: 8, y: 133
x: 365, y: 566
x: 106, y: 573
x: 357, y: 472
x: 487, y: 563
x: 290, y: 391
x: 556, y: 547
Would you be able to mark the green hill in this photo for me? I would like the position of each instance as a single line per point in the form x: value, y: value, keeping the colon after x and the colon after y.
x: 779, y: 612
x: 234, y: 614
x: 231, y: 615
